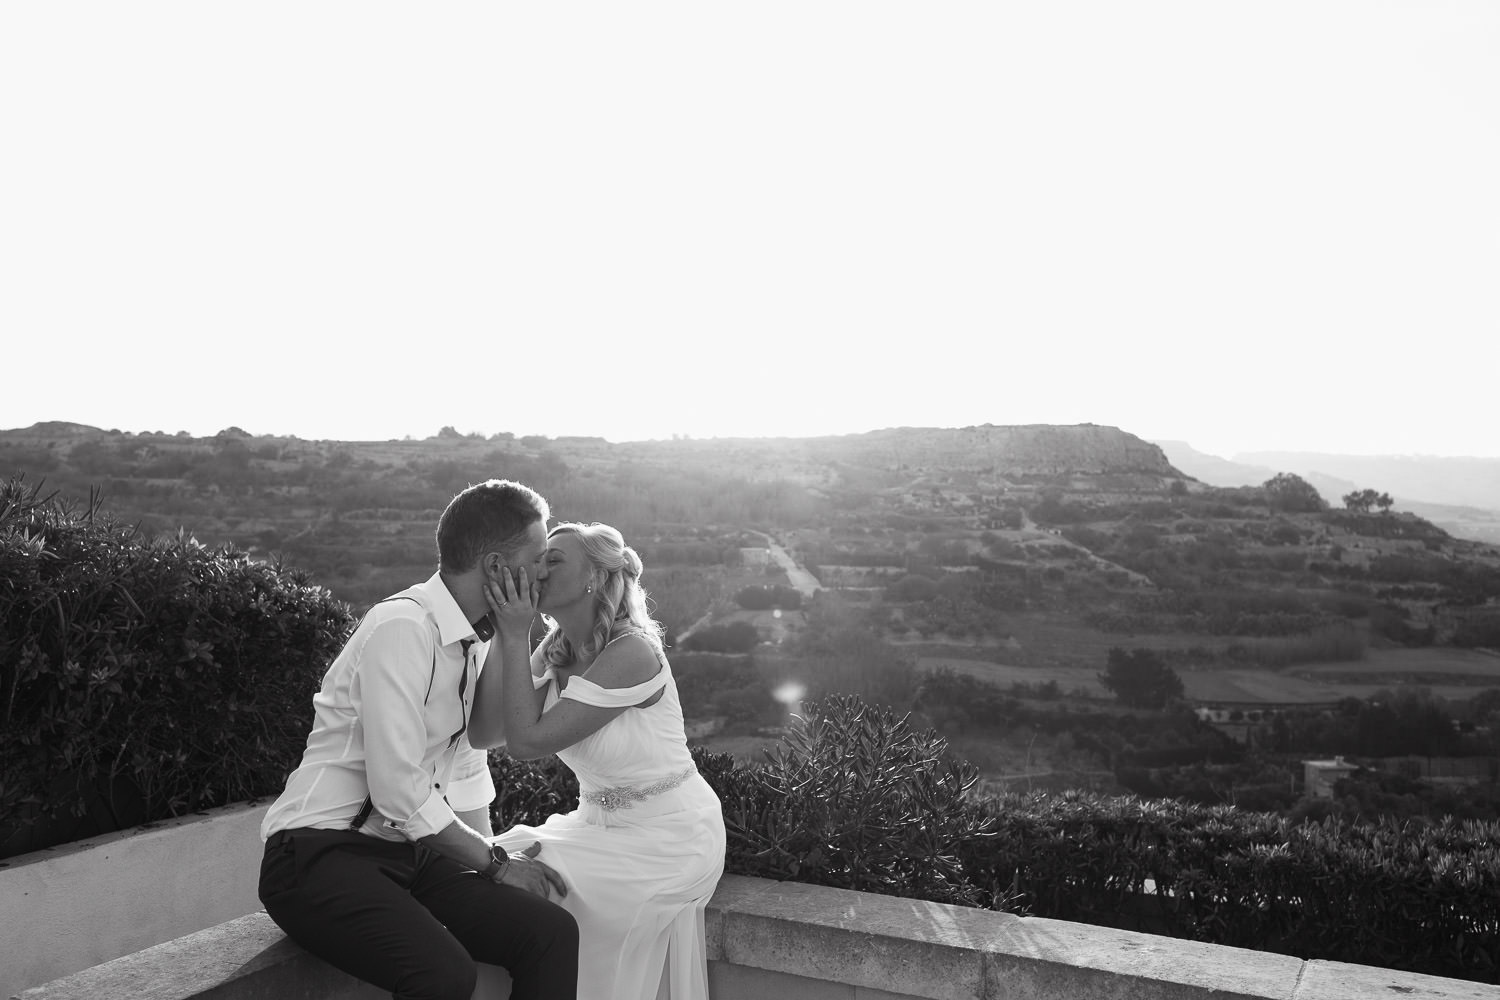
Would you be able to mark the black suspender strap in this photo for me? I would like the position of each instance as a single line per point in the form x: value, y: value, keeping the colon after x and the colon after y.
x: 363, y: 814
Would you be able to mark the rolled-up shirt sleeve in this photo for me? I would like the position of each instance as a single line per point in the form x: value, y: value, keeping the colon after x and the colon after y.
x: 388, y: 693
x: 471, y: 786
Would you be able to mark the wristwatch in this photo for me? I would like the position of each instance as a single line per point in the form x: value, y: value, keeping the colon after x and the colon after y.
x: 499, y: 861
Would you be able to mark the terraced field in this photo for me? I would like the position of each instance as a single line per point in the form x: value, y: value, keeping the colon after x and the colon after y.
x: 1451, y: 673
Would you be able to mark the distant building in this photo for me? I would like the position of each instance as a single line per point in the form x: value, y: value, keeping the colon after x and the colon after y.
x: 756, y: 558
x: 1319, y: 776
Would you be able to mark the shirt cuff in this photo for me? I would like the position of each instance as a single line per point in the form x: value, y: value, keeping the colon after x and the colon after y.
x: 467, y: 792
x: 431, y: 816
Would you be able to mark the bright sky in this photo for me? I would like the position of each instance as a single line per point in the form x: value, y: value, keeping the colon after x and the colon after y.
x: 1256, y: 225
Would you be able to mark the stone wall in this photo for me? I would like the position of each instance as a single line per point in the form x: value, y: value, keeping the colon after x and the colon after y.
x: 74, y: 906
x: 800, y: 942
x: 169, y: 912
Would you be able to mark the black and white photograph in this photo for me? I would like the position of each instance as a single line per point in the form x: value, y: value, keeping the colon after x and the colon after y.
x: 674, y: 501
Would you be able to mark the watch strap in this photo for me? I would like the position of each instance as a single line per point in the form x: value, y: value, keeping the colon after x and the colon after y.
x: 499, y: 861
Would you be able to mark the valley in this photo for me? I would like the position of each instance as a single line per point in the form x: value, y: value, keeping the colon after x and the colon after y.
x: 1018, y: 558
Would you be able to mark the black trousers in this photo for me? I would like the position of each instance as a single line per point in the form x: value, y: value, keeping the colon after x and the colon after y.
x: 411, y: 921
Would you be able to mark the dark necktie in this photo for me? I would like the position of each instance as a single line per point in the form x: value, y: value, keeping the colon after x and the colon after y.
x: 463, y: 686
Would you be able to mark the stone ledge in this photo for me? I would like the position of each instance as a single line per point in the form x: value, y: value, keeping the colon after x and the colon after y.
x: 940, y: 952
x: 802, y: 942
x: 906, y: 947
x: 248, y: 958
x: 1322, y: 980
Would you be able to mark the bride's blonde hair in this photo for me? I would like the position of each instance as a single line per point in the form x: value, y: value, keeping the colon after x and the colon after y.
x: 619, y: 601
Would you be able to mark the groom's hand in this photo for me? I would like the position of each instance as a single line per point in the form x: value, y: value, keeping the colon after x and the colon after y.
x: 526, y: 872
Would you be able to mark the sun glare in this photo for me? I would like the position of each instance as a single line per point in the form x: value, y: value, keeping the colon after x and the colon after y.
x: 790, y: 693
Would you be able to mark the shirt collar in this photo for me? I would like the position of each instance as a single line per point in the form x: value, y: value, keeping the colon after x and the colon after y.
x: 451, y: 623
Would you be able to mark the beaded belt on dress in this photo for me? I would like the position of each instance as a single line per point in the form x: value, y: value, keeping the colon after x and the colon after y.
x: 622, y: 797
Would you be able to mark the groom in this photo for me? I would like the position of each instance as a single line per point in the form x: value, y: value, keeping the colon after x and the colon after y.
x: 367, y: 865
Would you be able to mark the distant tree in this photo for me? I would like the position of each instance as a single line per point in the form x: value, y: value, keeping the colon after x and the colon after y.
x: 1289, y: 492
x: 1485, y: 705
x: 912, y: 587
x: 1009, y: 517
x: 449, y: 432
x: 1360, y: 501
x: 763, y: 598
x: 1139, y: 678
x: 735, y: 637
x: 1055, y: 510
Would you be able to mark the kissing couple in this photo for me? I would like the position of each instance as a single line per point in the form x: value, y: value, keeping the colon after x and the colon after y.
x: 379, y: 857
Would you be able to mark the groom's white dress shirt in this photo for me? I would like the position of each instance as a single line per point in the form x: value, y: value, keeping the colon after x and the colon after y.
x: 388, y: 724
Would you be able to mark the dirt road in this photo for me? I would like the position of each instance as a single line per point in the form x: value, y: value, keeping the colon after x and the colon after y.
x: 805, y: 582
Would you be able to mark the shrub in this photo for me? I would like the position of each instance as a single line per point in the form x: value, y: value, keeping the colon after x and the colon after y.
x: 912, y: 588
x: 712, y: 684
x: 855, y: 797
x: 1478, y: 631
x: 763, y: 598
x: 1425, y: 898
x: 1286, y: 491
x: 735, y: 637
x: 143, y: 678
x: 1138, y: 677
x: 527, y: 792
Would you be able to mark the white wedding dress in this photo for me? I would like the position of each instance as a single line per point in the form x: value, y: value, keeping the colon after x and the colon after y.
x: 643, y: 851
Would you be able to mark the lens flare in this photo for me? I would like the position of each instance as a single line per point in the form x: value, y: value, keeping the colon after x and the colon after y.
x: 789, y: 692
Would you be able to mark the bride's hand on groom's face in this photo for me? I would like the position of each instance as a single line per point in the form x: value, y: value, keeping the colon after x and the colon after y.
x: 512, y: 600
x: 526, y: 872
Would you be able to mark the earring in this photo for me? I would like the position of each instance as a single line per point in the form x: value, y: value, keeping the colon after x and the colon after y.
x: 589, y: 589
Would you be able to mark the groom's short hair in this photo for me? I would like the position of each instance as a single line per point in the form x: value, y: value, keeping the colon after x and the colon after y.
x: 485, y: 517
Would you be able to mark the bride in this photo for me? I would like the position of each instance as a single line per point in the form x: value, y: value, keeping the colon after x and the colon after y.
x: 643, y: 851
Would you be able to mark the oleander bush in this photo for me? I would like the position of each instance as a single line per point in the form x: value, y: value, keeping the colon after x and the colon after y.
x: 855, y: 797
x: 1411, y: 895
x: 528, y: 791
x: 143, y: 678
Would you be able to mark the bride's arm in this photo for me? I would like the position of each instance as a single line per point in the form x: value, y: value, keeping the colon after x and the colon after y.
x: 531, y: 732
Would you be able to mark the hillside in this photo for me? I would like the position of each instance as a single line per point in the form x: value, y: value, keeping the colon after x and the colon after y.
x: 1036, y: 546
x: 901, y: 564
x: 1459, y: 495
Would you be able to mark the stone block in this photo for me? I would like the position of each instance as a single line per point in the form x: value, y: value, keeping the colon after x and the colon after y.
x: 1042, y: 959
x: 248, y: 958
x: 904, y: 946
x: 1322, y: 980
x: 731, y: 894
x: 738, y: 982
